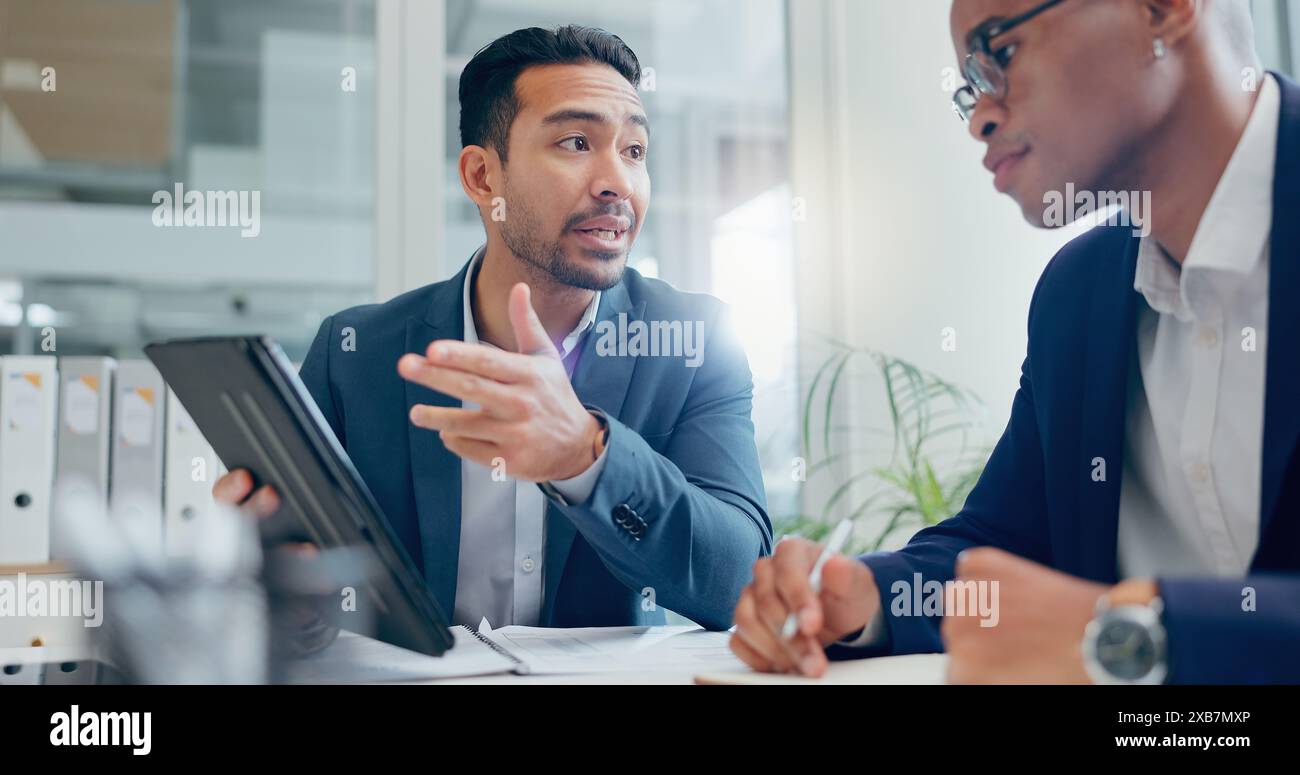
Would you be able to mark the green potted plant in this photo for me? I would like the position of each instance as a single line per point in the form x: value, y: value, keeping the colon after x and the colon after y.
x: 935, y: 453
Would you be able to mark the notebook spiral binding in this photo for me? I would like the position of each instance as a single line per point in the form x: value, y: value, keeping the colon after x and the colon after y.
x: 520, y: 666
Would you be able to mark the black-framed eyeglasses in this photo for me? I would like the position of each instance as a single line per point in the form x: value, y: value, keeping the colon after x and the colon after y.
x: 985, y: 67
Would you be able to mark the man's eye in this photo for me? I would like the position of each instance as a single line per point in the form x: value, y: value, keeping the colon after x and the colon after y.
x: 1003, y: 55
x: 575, y: 144
x: 637, y: 152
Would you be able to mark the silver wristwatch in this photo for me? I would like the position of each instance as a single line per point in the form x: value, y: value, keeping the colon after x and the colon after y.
x: 1126, y: 644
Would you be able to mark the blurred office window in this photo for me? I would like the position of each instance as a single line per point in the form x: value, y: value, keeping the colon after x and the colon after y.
x: 717, y: 94
x: 1277, y: 33
x: 104, y: 104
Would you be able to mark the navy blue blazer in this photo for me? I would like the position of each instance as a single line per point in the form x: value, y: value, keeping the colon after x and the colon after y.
x: 1037, y: 498
x: 679, y: 507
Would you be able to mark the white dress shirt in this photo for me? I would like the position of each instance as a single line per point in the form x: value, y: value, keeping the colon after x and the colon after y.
x: 500, y: 569
x: 1189, y: 501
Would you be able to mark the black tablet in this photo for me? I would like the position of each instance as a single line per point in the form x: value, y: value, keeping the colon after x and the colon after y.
x: 246, y: 398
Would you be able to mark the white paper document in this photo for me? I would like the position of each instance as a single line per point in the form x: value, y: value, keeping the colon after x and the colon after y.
x: 556, y: 650
x: 523, y: 650
x: 358, y: 659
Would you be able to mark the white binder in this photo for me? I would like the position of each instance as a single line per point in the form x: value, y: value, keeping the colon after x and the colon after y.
x: 139, y: 417
x: 85, y: 422
x: 29, y: 398
x: 191, y: 469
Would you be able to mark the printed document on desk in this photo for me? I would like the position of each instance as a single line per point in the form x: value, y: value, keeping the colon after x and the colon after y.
x: 358, y: 659
x: 523, y: 650
x: 559, y: 650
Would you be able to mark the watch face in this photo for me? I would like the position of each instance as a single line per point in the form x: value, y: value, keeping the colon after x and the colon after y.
x: 1125, y: 650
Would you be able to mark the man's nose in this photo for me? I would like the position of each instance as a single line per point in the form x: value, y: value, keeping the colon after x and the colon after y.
x: 612, y: 180
x: 986, y: 118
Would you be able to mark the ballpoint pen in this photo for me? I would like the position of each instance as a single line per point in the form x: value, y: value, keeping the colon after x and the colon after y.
x: 831, y: 548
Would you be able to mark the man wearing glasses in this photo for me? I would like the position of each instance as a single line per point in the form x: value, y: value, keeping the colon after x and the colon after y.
x: 1141, y: 512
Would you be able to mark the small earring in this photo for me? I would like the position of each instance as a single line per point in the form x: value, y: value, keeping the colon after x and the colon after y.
x: 1158, y: 48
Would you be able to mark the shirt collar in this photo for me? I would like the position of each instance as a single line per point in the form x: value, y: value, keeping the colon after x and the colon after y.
x: 567, y: 345
x: 1233, y: 231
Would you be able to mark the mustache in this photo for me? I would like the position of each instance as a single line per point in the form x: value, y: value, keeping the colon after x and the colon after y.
x: 615, y: 210
x: 1009, y: 142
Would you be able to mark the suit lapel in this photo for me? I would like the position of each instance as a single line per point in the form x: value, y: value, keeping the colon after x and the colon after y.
x: 1111, y: 342
x: 601, y: 381
x: 435, y: 471
x: 1282, y: 390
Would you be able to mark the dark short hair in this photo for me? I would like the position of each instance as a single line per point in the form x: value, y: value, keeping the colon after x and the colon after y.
x: 488, y: 101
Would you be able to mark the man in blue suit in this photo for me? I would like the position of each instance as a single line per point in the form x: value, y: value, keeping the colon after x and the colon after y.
x: 557, y: 440
x: 1139, y: 520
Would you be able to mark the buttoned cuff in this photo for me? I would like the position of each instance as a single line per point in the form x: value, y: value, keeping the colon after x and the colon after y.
x: 577, y: 490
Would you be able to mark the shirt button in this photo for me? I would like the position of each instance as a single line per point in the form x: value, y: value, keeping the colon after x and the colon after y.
x: 1200, y: 473
x: 527, y: 565
x: 1208, y: 338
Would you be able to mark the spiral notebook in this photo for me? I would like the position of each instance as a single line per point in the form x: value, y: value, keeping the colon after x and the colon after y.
x: 356, y: 658
x: 522, y: 651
